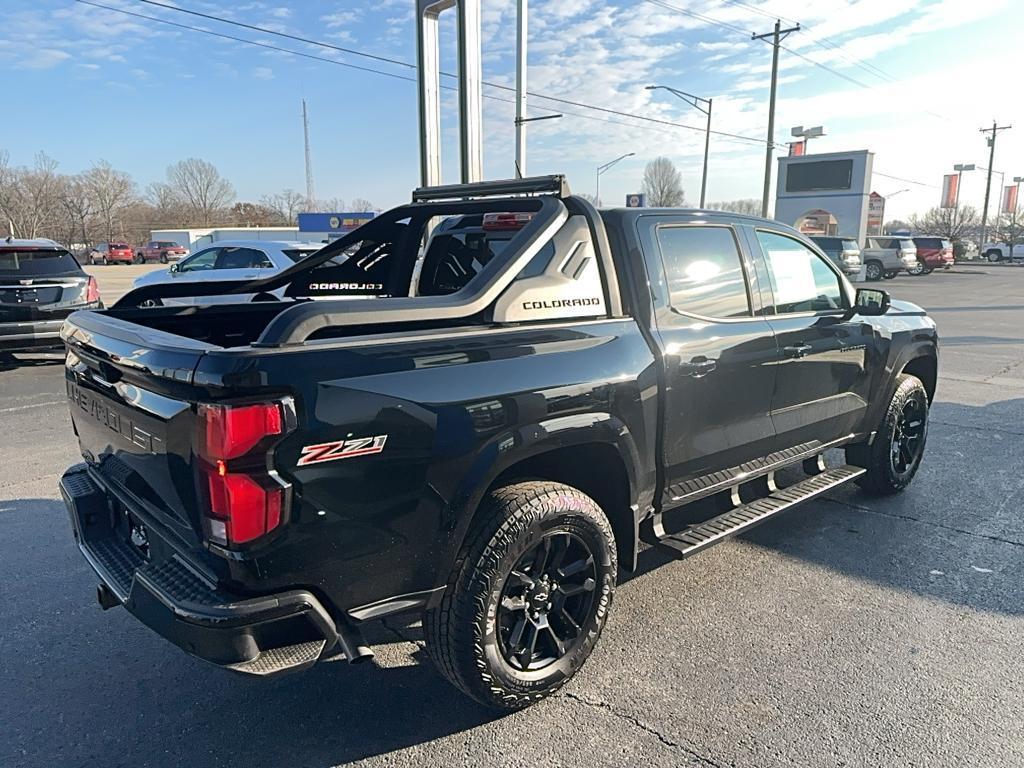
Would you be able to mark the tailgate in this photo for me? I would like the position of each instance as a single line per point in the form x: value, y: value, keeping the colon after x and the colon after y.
x: 129, y: 391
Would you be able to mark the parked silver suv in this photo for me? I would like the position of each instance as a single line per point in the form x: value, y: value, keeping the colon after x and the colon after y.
x: 886, y: 256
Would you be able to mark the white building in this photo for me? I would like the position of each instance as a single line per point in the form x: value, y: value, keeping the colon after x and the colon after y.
x: 194, y: 239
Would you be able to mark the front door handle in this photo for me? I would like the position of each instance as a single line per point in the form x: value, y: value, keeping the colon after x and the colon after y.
x: 699, y: 366
x: 797, y: 350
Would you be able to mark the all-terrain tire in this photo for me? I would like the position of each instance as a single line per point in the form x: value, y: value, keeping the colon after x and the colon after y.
x: 887, y: 471
x: 463, y: 630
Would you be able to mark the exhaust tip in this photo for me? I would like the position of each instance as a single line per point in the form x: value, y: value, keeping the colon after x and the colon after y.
x: 352, y: 644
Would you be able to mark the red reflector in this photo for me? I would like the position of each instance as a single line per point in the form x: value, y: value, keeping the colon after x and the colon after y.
x: 248, y: 509
x: 92, y: 290
x: 232, y: 431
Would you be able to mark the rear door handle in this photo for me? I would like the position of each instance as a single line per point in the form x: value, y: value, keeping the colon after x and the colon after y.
x: 699, y: 366
x: 797, y: 350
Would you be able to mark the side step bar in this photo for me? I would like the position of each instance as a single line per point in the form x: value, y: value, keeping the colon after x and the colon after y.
x: 699, y: 537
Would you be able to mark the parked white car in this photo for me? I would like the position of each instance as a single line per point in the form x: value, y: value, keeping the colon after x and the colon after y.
x: 995, y: 252
x: 229, y: 261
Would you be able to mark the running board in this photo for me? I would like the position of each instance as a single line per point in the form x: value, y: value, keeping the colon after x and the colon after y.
x: 699, y: 537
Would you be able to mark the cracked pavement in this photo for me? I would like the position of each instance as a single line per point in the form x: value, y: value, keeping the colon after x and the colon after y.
x: 852, y: 631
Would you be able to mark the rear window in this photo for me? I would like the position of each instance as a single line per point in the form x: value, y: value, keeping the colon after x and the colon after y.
x: 166, y: 244
x: 827, y: 242
x: 37, y: 263
x: 298, y: 254
x: 907, y: 245
x: 929, y: 242
x: 120, y: 246
x: 850, y: 245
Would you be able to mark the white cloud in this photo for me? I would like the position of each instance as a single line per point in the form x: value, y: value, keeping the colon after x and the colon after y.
x: 43, y: 58
x: 281, y: 13
x: 263, y: 73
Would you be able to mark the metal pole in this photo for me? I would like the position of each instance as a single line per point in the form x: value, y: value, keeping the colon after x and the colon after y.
x: 471, y: 105
x: 994, y: 130
x: 776, y: 35
x: 310, y: 193
x: 521, y: 40
x: 597, y: 192
x: 707, y: 148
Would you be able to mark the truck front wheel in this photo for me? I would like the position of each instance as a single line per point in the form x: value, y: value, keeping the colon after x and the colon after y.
x: 528, y: 595
x: 894, y: 457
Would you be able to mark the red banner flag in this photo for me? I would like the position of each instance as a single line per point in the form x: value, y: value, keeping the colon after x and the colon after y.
x: 796, y: 149
x: 1010, y: 199
x: 949, y: 189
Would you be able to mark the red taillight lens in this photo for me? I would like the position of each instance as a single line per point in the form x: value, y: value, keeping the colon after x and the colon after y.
x: 233, y: 431
x: 245, y: 500
x: 245, y: 509
x: 92, y: 291
x: 505, y: 221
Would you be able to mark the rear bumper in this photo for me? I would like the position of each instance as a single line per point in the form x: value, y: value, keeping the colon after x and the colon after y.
x: 264, y: 635
x: 32, y: 334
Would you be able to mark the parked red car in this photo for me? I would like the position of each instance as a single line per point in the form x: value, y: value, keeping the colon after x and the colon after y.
x: 160, y: 250
x: 932, y: 253
x: 111, y: 253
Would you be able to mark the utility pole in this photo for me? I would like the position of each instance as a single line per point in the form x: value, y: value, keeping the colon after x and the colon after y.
x: 1013, y: 221
x: 994, y: 131
x: 777, y: 36
x: 310, y: 193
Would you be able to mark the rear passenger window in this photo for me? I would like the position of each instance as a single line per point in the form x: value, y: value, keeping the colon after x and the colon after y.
x: 704, y: 271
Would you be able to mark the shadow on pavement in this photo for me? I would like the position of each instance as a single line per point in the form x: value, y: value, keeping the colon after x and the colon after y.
x: 8, y: 361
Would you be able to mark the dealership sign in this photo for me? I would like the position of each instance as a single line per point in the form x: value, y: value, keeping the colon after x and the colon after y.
x: 876, y: 213
x: 636, y: 200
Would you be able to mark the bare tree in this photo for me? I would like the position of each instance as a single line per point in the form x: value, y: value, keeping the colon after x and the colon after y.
x: 256, y: 215
x: 748, y: 206
x: 950, y: 223
x: 30, y: 197
x: 287, y: 203
x: 112, y: 191
x: 896, y: 225
x: 360, y: 205
x: 330, y: 205
x: 77, y: 204
x: 662, y: 183
x: 201, y: 188
x: 592, y: 199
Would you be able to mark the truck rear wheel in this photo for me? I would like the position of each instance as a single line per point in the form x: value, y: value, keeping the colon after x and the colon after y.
x: 894, y: 457
x: 528, y: 595
x: 873, y: 270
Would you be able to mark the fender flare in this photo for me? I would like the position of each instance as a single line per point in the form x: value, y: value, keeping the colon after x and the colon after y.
x: 526, y: 441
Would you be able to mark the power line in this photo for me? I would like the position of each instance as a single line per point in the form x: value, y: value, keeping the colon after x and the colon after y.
x: 698, y: 16
x: 399, y: 62
x: 906, y: 181
x: 657, y: 124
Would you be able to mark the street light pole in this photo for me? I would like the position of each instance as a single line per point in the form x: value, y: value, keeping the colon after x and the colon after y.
x: 959, y: 168
x: 1013, y: 216
x: 602, y: 168
x: 695, y: 102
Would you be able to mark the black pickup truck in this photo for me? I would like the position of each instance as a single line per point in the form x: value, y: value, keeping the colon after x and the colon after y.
x: 475, y: 408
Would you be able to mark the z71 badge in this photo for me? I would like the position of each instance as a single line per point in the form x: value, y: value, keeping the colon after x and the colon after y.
x: 342, y: 449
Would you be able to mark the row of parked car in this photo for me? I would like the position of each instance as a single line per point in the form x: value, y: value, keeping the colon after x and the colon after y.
x: 163, y: 251
x: 884, y: 257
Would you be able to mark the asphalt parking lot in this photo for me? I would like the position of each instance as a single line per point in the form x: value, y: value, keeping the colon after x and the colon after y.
x: 852, y: 631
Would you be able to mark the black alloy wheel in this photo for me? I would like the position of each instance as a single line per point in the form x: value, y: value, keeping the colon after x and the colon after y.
x: 547, y: 600
x: 907, y: 442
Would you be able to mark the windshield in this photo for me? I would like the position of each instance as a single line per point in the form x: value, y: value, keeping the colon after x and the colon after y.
x: 35, y: 263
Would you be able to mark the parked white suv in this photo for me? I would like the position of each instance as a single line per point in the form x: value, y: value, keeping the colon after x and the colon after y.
x: 229, y: 261
x: 886, y: 256
x: 995, y: 252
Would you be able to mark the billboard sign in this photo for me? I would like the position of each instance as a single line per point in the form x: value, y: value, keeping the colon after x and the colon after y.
x: 876, y: 213
x: 950, y: 185
x: 1010, y: 199
x: 333, y: 223
x: 636, y: 200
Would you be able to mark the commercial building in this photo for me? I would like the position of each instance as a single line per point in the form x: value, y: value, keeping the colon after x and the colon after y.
x: 828, y: 194
x: 201, y: 237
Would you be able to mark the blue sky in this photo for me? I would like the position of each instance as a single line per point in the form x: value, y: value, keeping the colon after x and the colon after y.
x: 85, y: 84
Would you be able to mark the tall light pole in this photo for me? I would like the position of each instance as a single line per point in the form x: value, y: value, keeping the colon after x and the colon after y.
x: 602, y: 168
x: 799, y: 132
x: 1013, y: 216
x: 695, y: 102
x: 959, y: 168
x: 777, y: 36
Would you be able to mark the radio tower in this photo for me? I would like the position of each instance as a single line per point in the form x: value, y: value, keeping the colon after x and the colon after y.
x: 310, y: 193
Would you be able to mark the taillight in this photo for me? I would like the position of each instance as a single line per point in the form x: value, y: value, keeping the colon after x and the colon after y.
x: 92, y: 291
x: 505, y: 221
x: 246, y: 499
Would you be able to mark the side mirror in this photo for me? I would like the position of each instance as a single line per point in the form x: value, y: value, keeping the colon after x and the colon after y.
x: 173, y: 268
x: 871, y: 301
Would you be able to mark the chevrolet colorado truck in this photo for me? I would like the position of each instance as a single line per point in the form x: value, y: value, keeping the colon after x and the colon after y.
x: 499, y: 397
